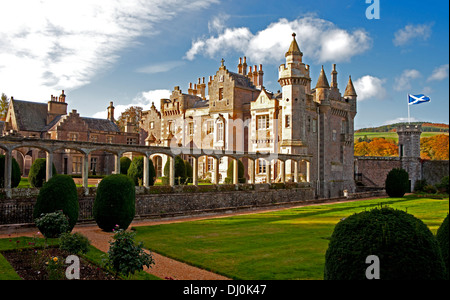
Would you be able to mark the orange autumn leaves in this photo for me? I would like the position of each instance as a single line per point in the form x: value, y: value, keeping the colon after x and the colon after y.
x: 376, y: 147
x: 434, y: 148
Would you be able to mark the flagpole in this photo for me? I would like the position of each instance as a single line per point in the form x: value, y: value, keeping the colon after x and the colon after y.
x: 409, y: 118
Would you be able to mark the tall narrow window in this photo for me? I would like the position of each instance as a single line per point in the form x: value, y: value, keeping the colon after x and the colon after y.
x: 220, y: 93
x: 191, y: 128
x: 261, y: 166
x: 220, y: 136
x: 288, y: 121
x: 76, y: 164
x: 262, y: 122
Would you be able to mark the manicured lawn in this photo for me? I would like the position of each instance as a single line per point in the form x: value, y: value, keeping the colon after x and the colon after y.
x: 286, y: 244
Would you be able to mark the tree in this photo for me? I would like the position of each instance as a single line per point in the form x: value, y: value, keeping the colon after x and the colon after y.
x: 4, y: 104
x: 435, y: 147
x: 132, y: 114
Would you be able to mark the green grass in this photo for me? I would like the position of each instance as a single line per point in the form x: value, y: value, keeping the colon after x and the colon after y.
x: 286, y: 244
x: 391, y: 135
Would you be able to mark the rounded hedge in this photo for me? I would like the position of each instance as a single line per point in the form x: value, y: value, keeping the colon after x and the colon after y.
x: 397, y: 182
x: 114, y: 202
x: 136, y: 171
x: 16, y: 174
x: 404, y: 245
x: 125, y: 163
x: 37, y: 174
x: 442, y: 238
x: 180, y: 170
x: 59, y: 193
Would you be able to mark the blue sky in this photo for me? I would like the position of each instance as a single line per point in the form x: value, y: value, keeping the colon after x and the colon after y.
x: 136, y: 52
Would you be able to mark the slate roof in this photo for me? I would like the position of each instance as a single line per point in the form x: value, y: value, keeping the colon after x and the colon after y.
x: 101, y: 125
x: 30, y: 116
x: 241, y: 80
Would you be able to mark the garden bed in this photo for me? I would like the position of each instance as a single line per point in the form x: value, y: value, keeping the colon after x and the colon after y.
x: 33, y: 264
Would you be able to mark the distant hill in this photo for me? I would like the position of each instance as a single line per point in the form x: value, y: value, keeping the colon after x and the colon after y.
x: 426, y: 127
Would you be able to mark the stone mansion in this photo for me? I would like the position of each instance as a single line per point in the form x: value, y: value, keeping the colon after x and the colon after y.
x: 233, y: 111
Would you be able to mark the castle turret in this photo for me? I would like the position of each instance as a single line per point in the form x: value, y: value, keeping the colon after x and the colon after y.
x: 409, y: 151
x: 350, y: 95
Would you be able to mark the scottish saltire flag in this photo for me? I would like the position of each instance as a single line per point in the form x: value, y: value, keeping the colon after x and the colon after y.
x: 417, y: 99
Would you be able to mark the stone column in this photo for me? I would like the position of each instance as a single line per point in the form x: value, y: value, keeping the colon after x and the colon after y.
x: 7, y: 174
x: 252, y: 167
x: 145, y: 175
x: 172, y: 171
x: 49, y: 166
x: 268, y: 171
x: 195, y: 171
x: 235, y: 171
x: 283, y: 171
x: 85, y: 172
x: 308, y: 171
x: 295, y: 170
x: 216, y: 170
x: 117, y: 162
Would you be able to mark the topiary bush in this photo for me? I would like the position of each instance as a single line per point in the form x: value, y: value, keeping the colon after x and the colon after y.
x: 37, y: 174
x: 16, y: 174
x: 74, y: 243
x: 136, y: 171
x: 397, y: 183
x: 442, y: 238
x: 189, y: 172
x: 125, y: 163
x: 114, y: 202
x: 59, y: 193
x: 404, y: 245
x: 53, y: 224
x: 241, y: 170
x: 180, y: 170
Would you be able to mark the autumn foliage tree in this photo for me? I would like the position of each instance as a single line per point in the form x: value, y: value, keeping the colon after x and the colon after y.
x: 435, y: 147
x: 376, y: 147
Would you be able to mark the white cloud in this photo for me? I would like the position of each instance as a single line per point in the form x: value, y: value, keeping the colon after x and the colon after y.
x: 318, y: 39
x: 160, y: 67
x: 368, y: 87
x: 439, y: 73
x: 411, y: 32
x: 50, y: 45
x: 144, y: 100
x: 403, y: 82
x: 400, y: 120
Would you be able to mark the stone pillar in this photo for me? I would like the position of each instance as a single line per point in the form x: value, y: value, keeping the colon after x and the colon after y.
x: 216, y: 170
x: 7, y: 174
x: 235, y: 171
x: 117, y: 163
x: 268, y: 171
x: 295, y: 170
x: 252, y: 167
x: 49, y: 166
x: 85, y: 172
x: 283, y: 171
x: 172, y: 171
x: 195, y: 171
x: 308, y: 171
x: 145, y: 175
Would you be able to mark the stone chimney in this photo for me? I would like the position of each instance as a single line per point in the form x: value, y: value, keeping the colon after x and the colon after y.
x: 56, y: 107
x: 111, y: 112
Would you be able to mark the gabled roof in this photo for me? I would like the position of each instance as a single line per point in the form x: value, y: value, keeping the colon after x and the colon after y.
x: 30, y: 116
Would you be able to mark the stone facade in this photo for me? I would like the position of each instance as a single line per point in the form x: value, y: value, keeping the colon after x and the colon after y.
x: 51, y: 121
x: 237, y: 113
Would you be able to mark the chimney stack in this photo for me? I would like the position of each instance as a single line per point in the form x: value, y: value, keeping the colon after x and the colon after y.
x: 111, y: 112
